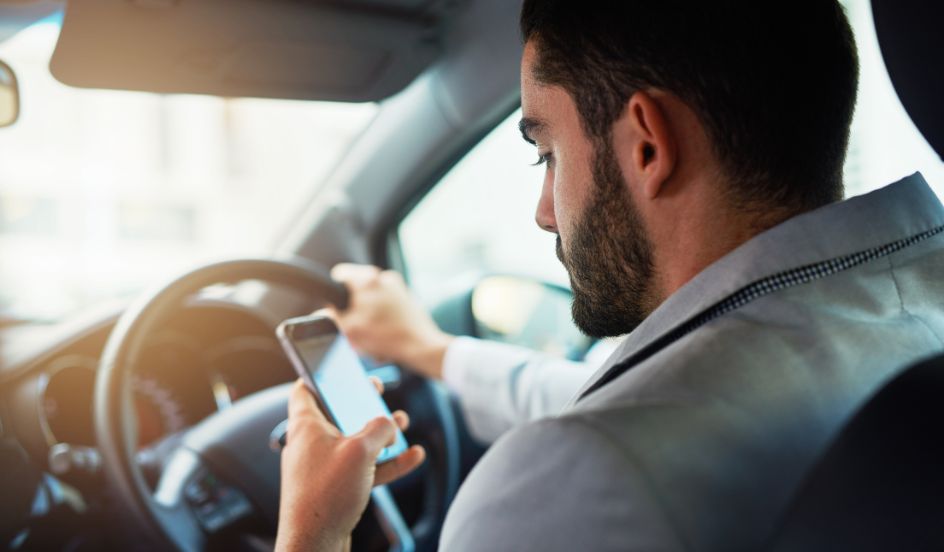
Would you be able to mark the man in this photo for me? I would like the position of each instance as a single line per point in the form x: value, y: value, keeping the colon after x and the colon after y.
x: 694, y: 174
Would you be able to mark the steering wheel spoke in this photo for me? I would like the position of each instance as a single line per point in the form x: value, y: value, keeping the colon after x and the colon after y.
x: 174, y: 512
x: 193, y: 496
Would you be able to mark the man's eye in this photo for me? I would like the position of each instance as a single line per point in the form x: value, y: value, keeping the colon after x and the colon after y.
x: 542, y: 159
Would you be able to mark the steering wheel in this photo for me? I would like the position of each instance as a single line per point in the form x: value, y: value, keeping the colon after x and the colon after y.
x: 220, y: 476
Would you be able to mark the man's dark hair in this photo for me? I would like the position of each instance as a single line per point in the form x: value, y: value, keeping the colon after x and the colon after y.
x: 773, y: 83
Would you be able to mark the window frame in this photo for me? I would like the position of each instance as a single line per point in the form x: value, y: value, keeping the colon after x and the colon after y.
x: 385, y: 248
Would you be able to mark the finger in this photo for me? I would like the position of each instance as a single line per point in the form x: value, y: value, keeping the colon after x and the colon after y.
x: 377, y: 434
x: 392, y: 278
x: 402, y: 420
x: 378, y: 358
x: 378, y: 384
x: 400, y: 466
x: 329, y: 312
x: 342, y: 271
x: 355, y: 274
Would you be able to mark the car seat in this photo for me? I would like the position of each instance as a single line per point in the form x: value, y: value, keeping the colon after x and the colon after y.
x: 880, y: 484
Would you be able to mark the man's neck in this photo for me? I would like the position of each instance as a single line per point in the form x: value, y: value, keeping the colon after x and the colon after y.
x: 704, y: 236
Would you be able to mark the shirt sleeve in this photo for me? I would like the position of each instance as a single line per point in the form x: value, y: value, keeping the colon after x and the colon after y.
x: 501, y: 386
x: 556, y: 484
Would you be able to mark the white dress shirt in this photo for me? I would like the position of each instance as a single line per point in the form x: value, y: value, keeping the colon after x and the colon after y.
x: 501, y: 386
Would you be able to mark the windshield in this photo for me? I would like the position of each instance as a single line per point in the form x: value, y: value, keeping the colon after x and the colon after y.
x: 103, y: 193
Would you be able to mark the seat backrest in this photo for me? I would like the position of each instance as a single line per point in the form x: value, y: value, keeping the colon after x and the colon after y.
x: 880, y: 486
x: 909, y: 34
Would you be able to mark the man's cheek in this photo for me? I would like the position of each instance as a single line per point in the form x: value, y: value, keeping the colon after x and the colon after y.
x: 570, y: 192
x: 562, y: 211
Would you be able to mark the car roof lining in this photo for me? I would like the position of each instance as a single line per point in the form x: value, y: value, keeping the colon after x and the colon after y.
x: 16, y: 15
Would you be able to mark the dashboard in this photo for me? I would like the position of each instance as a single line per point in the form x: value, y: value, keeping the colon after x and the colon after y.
x: 179, y: 383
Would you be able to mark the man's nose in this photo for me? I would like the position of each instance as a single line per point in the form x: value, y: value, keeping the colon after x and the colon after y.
x: 545, y: 212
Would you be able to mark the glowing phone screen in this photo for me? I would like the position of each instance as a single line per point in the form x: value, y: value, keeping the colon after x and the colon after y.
x: 339, y: 376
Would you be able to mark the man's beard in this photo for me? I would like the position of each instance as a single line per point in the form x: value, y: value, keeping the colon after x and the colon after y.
x: 609, y: 256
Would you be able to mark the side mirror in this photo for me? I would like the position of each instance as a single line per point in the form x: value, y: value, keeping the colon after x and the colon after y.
x: 9, y: 96
x: 527, y: 312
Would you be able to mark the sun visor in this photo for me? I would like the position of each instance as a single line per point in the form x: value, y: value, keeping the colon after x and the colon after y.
x: 351, y: 51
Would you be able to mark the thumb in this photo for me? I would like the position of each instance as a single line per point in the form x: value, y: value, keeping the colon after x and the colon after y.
x: 377, y: 434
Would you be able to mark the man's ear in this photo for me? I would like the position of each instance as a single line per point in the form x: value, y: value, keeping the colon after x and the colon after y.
x: 646, y: 141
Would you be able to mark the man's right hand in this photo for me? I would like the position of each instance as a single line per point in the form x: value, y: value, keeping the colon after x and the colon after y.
x: 384, y: 321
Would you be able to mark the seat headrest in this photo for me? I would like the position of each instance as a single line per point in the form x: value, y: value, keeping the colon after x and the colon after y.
x: 912, y: 44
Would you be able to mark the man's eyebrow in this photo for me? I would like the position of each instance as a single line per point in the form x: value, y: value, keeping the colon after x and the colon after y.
x: 528, y: 127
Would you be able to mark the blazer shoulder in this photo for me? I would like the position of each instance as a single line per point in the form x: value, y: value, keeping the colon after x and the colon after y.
x: 557, y: 484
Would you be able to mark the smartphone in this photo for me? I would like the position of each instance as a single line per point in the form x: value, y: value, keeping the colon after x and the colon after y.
x: 336, y: 376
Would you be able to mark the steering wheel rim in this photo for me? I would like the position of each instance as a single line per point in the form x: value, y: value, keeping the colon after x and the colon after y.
x: 113, y: 408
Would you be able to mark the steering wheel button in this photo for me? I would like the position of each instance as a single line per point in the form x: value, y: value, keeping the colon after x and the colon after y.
x: 207, y: 509
x: 238, y: 507
x: 215, y: 521
x: 197, y: 494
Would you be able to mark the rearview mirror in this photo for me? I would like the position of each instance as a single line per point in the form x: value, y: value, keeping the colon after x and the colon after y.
x: 527, y: 312
x: 9, y: 96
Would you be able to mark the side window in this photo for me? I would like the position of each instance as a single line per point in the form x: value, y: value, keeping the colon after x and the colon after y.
x: 884, y: 145
x: 479, y: 219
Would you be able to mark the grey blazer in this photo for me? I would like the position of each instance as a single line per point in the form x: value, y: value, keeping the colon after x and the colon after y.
x: 697, y: 430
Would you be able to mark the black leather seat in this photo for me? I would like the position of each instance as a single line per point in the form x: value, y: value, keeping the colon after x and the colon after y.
x: 880, y: 485
x: 909, y: 34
